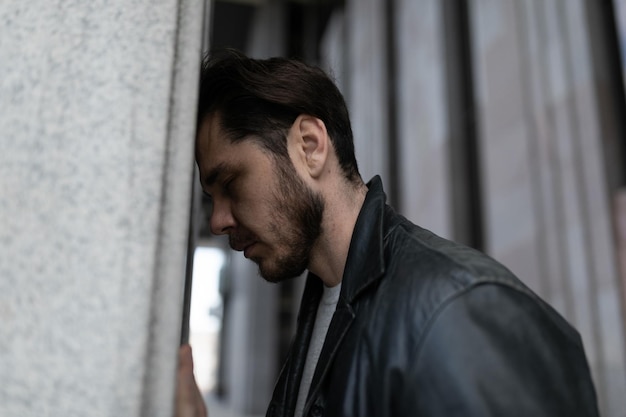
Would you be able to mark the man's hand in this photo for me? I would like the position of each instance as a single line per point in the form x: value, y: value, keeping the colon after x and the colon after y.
x: 189, y: 402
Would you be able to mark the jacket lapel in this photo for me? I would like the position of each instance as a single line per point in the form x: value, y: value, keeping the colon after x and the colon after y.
x: 364, y: 266
x: 342, y: 319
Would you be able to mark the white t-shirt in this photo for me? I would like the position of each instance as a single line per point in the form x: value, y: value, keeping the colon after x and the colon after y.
x: 325, y: 311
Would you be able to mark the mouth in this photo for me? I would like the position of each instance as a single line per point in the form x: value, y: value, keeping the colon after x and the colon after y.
x: 247, y: 249
x: 243, y: 242
x: 242, y: 247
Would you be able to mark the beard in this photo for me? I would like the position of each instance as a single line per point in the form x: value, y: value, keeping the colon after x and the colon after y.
x: 296, y: 226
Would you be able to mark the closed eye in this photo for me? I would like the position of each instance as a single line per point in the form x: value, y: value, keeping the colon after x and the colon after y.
x: 228, y: 185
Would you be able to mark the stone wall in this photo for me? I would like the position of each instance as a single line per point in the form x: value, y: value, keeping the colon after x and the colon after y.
x: 97, y: 118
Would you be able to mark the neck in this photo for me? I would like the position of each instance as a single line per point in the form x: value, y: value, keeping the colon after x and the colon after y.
x: 342, y: 208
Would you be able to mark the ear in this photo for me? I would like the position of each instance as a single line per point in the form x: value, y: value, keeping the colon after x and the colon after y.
x: 310, y: 139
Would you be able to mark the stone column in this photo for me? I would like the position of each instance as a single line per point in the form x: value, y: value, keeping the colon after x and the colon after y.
x: 366, y: 87
x: 424, y: 135
x: 252, y: 357
x: 547, y: 202
x: 97, y: 105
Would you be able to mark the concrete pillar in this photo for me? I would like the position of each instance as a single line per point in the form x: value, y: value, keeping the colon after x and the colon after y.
x: 252, y: 357
x: 547, y: 206
x: 96, y: 136
x: 620, y: 222
x: 332, y: 50
x: 268, y: 33
x: 420, y: 121
x: 366, y: 90
x: 422, y: 107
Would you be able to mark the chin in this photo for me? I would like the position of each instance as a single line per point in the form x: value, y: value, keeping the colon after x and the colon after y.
x: 277, y: 274
x: 274, y: 277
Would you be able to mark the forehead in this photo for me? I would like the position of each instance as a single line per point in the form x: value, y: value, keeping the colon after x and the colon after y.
x: 210, y: 136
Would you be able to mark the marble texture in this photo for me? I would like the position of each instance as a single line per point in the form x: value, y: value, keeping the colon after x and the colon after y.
x: 97, y: 117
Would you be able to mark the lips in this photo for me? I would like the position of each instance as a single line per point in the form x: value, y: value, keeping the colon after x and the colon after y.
x: 247, y: 249
x: 240, y: 244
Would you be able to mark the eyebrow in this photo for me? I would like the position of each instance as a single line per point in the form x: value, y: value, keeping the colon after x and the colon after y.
x: 217, y: 171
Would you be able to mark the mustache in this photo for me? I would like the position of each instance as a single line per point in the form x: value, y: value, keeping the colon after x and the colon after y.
x: 240, y: 239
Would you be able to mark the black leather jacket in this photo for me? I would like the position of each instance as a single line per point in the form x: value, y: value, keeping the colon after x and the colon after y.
x: 428, y: 327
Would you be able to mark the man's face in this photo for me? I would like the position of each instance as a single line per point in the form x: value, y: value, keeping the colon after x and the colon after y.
x: 260, y: 201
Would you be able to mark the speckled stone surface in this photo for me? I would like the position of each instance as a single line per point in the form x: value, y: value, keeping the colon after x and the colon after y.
x: 97, y: 119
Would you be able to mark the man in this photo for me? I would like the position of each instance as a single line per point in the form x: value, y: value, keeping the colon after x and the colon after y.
x: 394, y: 320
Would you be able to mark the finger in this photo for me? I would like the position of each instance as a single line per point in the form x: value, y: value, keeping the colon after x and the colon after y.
x: 185, y: 359
x: 189, y: 401
x: 201, y: 406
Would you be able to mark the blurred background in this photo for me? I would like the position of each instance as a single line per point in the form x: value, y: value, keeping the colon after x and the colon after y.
x: 498, y: 123
x: 501, y: 124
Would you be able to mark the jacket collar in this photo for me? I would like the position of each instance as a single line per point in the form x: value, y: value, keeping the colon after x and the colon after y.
x: 364, y: 266
x: 365, y: 262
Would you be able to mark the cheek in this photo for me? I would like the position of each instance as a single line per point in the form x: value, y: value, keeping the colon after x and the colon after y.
x: 257, y: 210
x: 251, y: 218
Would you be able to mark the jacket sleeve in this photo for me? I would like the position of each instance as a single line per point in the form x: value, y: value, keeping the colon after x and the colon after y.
x: 495, y: 350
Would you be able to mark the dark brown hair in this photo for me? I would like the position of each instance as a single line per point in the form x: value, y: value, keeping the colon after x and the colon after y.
x: 262, y: 98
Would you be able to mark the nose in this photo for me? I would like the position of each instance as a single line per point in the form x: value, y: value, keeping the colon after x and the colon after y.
x: 222, y: 220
